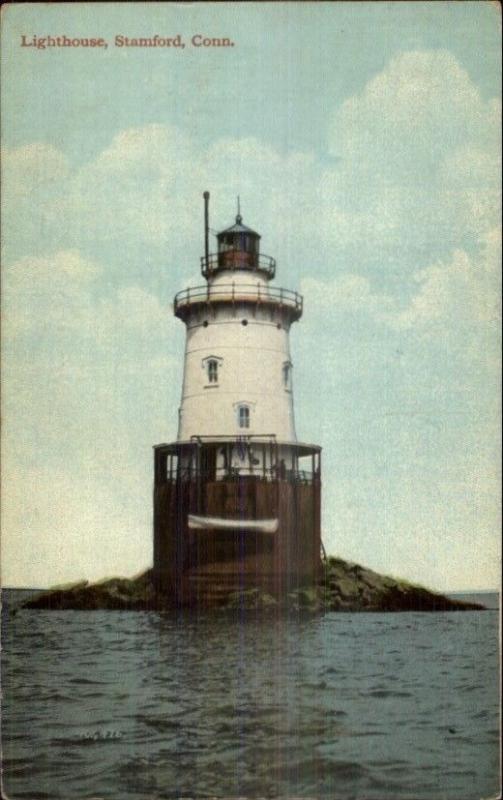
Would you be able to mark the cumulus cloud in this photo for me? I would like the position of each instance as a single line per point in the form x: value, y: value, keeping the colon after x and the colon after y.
x: 462, y: 290
x: 417, y: 164
x: 87, y: 390
x: 420, y: 108
x: 394, y: 226
x: 76, y: 358
x: 459, y: 292
x: 419, y: 160
x: 61, y: 292
x: 39, y: 290
x: 32, y: 167
x: 451, y: 293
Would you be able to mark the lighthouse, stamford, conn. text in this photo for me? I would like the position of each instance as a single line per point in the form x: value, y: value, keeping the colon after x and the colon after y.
x: 236, y: 497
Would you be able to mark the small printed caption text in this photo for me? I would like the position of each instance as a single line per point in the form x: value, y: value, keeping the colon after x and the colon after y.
x: 177, y: 42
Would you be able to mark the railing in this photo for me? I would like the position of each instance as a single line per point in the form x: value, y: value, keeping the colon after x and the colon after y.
x: 254, y: 458
x: 231, y: 474
x: 236, y: 293
x: 237, y: 259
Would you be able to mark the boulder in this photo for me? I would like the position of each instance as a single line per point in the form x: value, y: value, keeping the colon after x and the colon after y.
x: 344, y: 586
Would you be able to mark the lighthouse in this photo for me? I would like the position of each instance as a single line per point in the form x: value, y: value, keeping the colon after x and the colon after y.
x: 237, y: 496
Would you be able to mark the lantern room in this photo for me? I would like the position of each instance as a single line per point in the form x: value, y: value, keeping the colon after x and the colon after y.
x: 238, y: 243
x: 238, y: 248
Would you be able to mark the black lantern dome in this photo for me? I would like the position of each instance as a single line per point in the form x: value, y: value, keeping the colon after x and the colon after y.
x: 238, y: 244
x: 238, y: 248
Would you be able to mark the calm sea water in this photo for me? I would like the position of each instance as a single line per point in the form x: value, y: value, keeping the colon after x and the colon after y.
x: 138, y: 706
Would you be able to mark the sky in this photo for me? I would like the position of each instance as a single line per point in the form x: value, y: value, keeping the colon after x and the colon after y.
x: 364, y: 142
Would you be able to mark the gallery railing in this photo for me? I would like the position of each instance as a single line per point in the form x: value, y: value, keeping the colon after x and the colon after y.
x: 238, y: 292
x: 240, y: 474
x: 237, y: 259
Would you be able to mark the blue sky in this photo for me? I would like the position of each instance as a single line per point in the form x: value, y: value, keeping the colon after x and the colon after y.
x: 363, y: 139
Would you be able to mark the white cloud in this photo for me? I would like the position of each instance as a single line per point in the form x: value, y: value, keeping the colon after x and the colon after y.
x: 32, y: 167
x: 88, y: 389
x: 417, y: 167
x: 60, y: 294
x: 60, y: 273
x: 40, y: 292
x: 469, y: 167
x: 400, y: 234
x: 420, y: 107
x: 79, y: 364
x: 463, y: 290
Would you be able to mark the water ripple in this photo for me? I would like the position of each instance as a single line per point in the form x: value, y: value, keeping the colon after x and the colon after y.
x: 128, y: 706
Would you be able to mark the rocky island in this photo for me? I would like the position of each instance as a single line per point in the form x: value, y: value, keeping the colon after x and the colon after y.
x: 344, y: 587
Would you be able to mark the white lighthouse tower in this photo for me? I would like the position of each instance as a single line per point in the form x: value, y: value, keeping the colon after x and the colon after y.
x: 236, y: 497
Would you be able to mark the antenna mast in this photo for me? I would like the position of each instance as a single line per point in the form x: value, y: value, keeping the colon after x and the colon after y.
x: 206, y: 196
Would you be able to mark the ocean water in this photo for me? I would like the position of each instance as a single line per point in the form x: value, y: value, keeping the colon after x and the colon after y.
x: 138, y: 706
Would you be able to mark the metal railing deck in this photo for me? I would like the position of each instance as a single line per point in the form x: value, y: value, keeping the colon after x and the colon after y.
x: 232, y: 474
x: 238, y: 293
x: 236, y: 259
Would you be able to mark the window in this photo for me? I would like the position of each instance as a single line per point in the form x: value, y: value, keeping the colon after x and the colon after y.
x: 244, y: 416
x: 243, y: 410
x: 287, y: 375
x: 212, y: 367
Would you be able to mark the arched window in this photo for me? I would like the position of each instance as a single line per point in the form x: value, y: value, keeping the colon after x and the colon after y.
x: 212, y: 367
x: 244, y: 416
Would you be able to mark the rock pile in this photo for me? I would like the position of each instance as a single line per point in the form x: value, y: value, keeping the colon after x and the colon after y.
x: 344, y: 586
